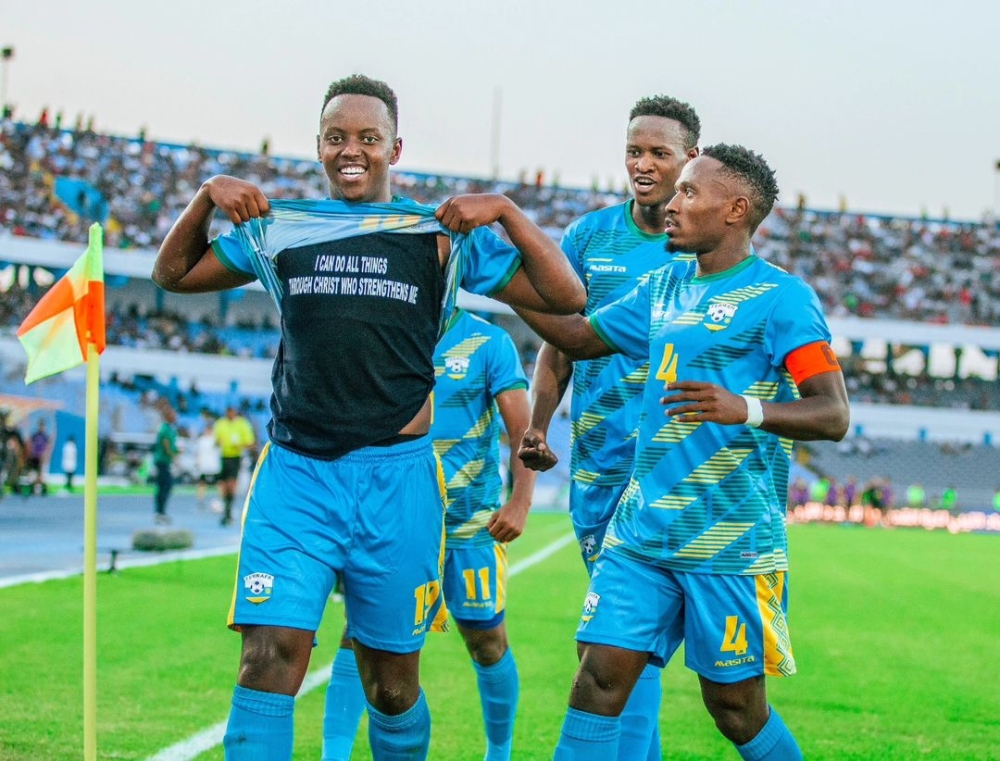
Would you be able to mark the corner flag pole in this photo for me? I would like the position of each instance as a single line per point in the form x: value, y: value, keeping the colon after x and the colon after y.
x: 66, y: 329
x: 90, y: 557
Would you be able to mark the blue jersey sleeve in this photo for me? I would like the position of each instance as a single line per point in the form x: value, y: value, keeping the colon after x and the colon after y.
x: 572, y: 247
x: 232, y: 254
x: 491, y: 262
x: 504, y: 372
x: 624, y: 324
x: 797, y: 320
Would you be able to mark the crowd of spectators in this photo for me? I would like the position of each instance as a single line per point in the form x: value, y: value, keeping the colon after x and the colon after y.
x: 137, y: 187
x: 55, y: 181
x: 889, y: 267
x: 921, y: 389
x: 860, y: 264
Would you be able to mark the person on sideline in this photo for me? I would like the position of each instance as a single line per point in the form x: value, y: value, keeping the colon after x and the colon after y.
x: 70, y: 460
x: 347, y: 484
x: 234, y: 435
x: 39, y: 449
x: 740, y: 366
x: 208, y: 461
x: 165, y: 451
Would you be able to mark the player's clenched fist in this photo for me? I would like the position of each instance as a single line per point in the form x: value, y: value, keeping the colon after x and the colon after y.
x: 534, y: 452
x: 237, y: 199
x: 462, y: 214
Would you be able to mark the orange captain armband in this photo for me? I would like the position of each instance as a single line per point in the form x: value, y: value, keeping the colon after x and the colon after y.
x: 811, y: 359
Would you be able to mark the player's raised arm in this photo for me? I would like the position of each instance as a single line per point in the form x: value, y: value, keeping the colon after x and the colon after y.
x: 546, y: 282
x: 553, y: 371
x: 186, y: 262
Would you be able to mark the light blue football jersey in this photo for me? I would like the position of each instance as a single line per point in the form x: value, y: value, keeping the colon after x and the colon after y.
x: 363, y: 301
x: 481, y: 262
x: 474, y: 362
x: 705, y: 497
x: 611, y: 254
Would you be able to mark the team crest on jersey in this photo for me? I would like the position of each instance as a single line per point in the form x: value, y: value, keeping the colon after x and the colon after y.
x: 457, y: 367
x: 588, y: 544
x: 258, y: 587
x: 720, y: 314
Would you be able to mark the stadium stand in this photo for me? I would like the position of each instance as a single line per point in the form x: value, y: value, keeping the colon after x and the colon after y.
x: 968, y: 468
x: 913, y: 301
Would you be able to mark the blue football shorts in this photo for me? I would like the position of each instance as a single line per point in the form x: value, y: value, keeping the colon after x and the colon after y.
x: 591, y: 508
x: 374, y: 516
x: 733, y: 627
x: 475, y: 585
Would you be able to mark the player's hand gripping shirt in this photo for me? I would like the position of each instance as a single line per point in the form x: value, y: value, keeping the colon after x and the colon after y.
x: 363, y: 299
x: 707, y: 497
x: 474, y: 362
x: 611, y: 255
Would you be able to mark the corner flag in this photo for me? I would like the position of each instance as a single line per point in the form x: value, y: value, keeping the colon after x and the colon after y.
x: 55, y: 334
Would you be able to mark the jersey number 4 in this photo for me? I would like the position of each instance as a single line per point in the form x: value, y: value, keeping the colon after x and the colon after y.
x: 668, y: 367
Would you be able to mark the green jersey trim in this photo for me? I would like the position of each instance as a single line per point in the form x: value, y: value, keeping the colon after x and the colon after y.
x: 735, y: 269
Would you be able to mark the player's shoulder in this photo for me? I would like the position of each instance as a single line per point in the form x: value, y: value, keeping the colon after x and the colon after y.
x: 782, y: 278
x: 606, y: 218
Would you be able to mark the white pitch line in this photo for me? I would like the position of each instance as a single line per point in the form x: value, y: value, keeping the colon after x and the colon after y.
x: 212, y: 736
x: 156, y: 558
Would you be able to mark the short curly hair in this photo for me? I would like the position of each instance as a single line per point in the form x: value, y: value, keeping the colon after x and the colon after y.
x: 670, y: 108
x: 359, y: 84
x: 751, y: 170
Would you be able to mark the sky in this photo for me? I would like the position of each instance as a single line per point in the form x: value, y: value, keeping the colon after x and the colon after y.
x: 892, y: 106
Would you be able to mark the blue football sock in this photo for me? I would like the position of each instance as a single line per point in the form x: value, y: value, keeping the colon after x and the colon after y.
x: 498, y: 691
x: 260, y: 726
x: 587, y: 736
x: 773, y: 743
x: 655, y: 753
x: 640, y: 737
x: 345, y: 702
x: 405, y: 737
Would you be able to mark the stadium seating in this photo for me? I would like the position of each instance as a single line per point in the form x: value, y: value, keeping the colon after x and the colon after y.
x: 969, y: 468
x: 55, y: 182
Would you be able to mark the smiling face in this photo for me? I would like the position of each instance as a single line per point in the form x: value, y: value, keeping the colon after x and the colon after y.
x: 356, y: 145
x: 655, y: 154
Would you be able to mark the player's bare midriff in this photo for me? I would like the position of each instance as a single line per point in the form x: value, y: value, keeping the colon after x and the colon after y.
x: 421, y: 422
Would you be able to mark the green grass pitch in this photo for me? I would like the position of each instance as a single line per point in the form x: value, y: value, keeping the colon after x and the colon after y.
x: 895, y: 634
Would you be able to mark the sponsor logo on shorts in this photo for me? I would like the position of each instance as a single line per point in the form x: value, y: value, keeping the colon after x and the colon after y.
x: 590, y: 605
x: 475, y: 605
x: 735, y: 662
x: 258, y: 587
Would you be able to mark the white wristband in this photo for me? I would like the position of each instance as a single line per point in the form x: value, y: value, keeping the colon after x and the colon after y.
x: 755, y: 411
